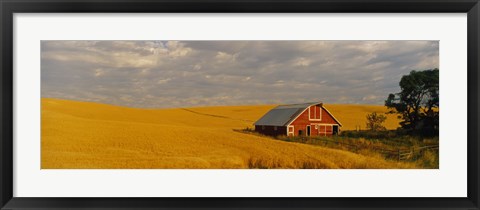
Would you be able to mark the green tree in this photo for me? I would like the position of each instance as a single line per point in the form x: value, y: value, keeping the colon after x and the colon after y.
x: 418, y: 101
x: 375, y: 121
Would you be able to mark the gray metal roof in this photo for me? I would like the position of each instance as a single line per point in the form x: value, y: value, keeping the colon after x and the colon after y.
x: 283, y: 114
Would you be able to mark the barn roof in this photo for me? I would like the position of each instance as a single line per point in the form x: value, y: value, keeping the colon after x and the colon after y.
x: 283, y: 114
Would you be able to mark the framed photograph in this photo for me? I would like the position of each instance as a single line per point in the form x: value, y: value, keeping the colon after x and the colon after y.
x: 239, y: 105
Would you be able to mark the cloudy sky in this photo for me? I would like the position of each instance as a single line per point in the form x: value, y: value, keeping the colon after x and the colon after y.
x: 204, y: 73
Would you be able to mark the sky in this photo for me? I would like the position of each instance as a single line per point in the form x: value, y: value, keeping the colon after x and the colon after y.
x: 162, y: 74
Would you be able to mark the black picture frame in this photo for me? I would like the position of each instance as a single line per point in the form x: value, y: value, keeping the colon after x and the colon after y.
x: 10, y: 7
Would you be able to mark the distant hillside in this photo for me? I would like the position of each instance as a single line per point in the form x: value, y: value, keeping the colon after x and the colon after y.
x: 90, y: 135
x: 350, y: 115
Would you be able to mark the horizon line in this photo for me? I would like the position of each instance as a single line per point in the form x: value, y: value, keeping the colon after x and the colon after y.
x: 182, y: 107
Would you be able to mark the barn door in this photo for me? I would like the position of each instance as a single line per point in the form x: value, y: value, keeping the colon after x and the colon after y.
x: 335, y: 130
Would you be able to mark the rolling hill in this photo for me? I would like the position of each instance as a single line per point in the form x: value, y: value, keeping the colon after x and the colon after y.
x: 85, y: 135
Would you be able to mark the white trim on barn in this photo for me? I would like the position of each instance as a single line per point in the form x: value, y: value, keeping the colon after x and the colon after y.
x: 325, y: 127
x: 324, y: 132
x: 293, y: 130
x: 320, y: 108
x: 315, y: 113
x: 323, y: 124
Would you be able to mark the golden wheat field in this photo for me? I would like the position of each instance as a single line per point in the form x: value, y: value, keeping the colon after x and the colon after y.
x: 84, y: 135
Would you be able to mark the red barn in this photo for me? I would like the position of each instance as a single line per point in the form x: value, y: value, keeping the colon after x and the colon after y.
x: 309, y: 119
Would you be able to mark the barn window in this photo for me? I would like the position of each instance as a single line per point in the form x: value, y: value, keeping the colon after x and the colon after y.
x: 315, y: 113
x: 275, y: 128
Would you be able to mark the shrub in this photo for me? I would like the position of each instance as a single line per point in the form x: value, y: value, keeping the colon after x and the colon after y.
x: 375, y: 121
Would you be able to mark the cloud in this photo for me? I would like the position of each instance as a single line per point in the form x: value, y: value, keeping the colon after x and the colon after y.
x: 204, y: 73
x: 163, y: 81
x: 302, y: 62
x: 369, y: 98
x: 225, y: 57
x: 99, y: 72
